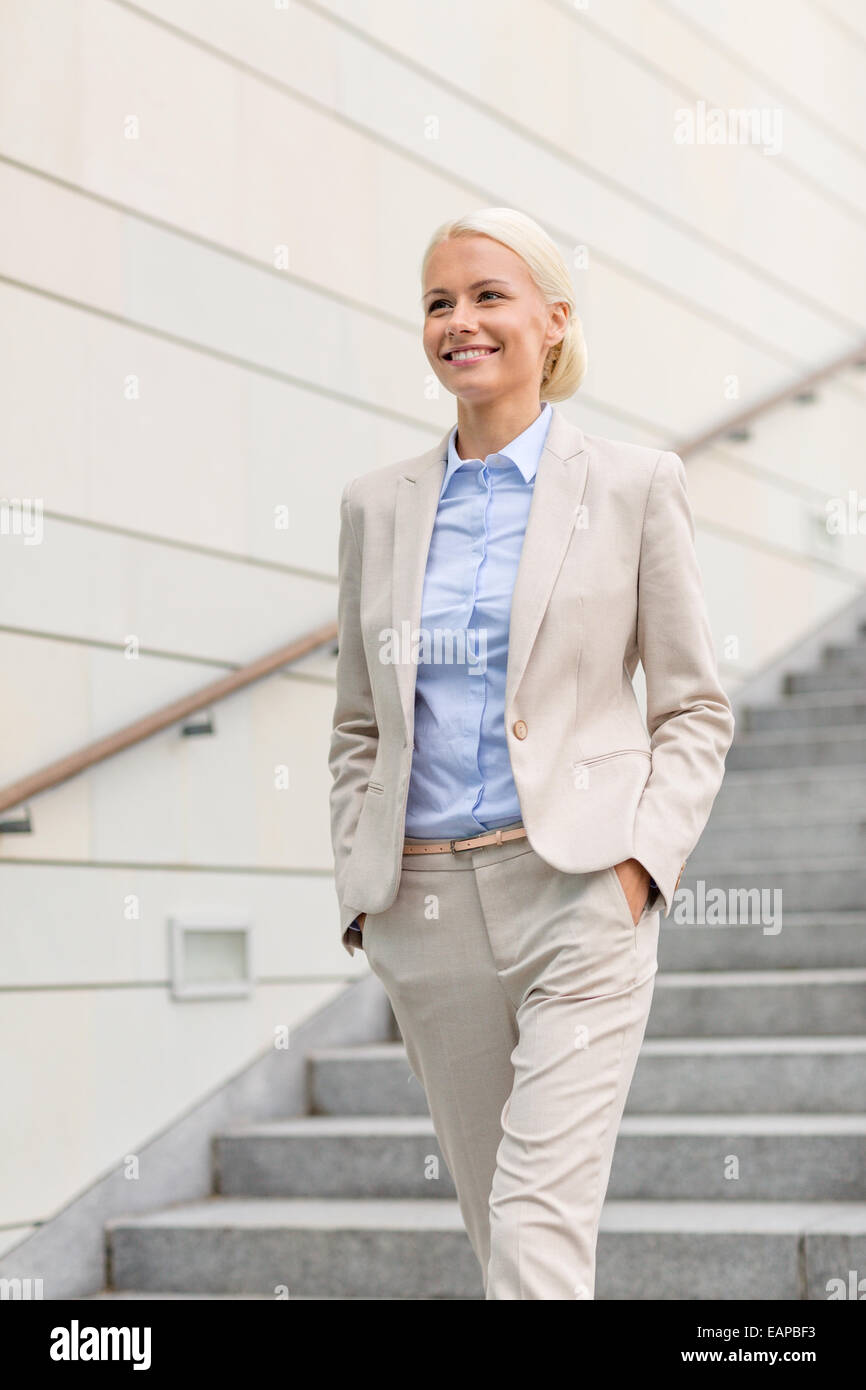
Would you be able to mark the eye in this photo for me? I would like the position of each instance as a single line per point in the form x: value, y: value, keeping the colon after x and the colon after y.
x: 431, y: 308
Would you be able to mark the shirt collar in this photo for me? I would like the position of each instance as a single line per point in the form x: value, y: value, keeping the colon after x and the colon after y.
x: 524, y: 451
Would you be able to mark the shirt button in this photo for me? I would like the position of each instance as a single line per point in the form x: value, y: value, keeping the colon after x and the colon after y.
x: 520, y: 729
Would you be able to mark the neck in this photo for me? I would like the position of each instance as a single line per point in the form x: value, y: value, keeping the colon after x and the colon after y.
x: 486, y: 427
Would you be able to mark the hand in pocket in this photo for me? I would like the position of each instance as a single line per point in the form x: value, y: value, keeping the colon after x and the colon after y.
x: 635, y: 881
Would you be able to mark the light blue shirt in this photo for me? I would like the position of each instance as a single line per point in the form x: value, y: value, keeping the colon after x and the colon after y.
x: 461, y: 781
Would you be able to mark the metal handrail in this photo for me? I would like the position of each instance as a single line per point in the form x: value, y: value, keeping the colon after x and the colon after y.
x: 856, y: 357
x: 64, y: 768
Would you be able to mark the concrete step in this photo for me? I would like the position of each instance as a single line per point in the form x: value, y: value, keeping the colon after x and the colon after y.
x: 153, y: 1296
x: 128, y: 1294
x: 790, y: 1157
x: 332, y: 1156
x: 781, y: 835
x: 808, y: 941
x: 679, y: 1251
x: 337, y: 1248
x: 759, y: 890
x: 740, y: 1158
x: 823, y: 678
x: 676, y: 1251
x: 685, y: 1075
x: 806, y: 712
x: 758, y: 1003
x: 750, y: 1075
x: 278, y: 1296
x: 369, y: 1079
x: 841, y: 744
x: 810, y: 790
x: 846, y: 656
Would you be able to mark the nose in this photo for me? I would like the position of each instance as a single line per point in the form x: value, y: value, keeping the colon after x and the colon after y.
x: 461, y: 319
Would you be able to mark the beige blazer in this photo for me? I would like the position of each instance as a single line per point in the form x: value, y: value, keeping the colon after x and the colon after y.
x: 608, y: 576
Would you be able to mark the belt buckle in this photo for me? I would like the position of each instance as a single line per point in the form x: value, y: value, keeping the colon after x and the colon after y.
x: 453, y: 842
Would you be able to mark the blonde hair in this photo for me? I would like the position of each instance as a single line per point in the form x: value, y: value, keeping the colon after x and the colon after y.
x: 565, y: 363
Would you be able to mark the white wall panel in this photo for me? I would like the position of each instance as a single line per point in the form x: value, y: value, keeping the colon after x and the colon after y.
x: 741, y: 585
x: 582, y: 71
x: 206, y: 455
x: 671, y: 40
x: 798, y: 48
x: 849, y: 16
x: 757, y: 511
x: 68, y: 926
x: 98, y: 1072
x: 581, y: 204
x: 106, y: 585
x: 235, y: 311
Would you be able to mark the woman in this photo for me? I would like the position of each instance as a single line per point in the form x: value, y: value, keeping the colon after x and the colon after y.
x: 505, y: 827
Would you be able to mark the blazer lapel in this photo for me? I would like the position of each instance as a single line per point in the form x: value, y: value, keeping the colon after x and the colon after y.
x: 557, y: 495
x: 415, y: 509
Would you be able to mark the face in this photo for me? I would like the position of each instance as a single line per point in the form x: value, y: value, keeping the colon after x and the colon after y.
x: 478, y: 294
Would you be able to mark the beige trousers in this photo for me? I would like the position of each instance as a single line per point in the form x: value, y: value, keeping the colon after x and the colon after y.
x: 522, y: 995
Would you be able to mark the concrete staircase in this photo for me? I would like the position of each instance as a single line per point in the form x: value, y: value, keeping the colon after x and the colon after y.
x: 754, y: 1064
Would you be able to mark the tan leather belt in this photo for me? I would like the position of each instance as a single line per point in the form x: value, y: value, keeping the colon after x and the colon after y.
x: 490, y: 837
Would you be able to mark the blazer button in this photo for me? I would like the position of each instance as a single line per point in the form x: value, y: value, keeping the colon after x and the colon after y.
x: 520, y: 729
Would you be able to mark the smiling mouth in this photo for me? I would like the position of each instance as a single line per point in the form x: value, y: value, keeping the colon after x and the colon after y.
x: 468, y: 354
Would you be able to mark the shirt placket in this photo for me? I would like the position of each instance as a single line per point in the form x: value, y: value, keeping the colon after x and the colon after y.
x: 476, y: 686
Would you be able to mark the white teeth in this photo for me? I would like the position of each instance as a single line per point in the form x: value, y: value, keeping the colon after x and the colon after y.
x: 467, y: 356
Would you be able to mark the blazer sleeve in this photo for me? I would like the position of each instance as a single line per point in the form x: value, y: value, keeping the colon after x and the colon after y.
x: 354, y: 733
x: 689, y: 716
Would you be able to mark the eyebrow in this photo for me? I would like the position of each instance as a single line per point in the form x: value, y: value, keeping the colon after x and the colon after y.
x: 476, y: 286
